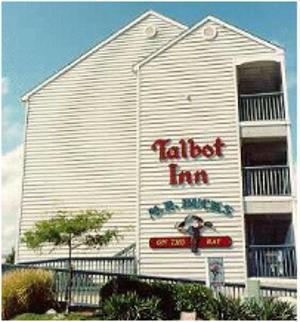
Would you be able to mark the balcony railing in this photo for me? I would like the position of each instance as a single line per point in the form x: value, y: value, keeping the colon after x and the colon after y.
x: 266, y: 181
x: 261, y: 107
x: 272, y: 261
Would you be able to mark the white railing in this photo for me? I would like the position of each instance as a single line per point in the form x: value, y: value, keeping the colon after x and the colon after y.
x: 261, y: 107
x: 266, y: 180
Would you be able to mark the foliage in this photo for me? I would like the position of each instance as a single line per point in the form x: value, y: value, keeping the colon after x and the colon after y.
x: 81, y: 228
x: 269, y: 309
x: 193, y: 297
x: 23, y: 289
x: 67, y: 317
x: 130, y: 306
x: 122, y: 285
x: 164, y: 292
x: 72, y: 229
x: 173, y: 298
x: 228, y: 308
x: 10, y: 258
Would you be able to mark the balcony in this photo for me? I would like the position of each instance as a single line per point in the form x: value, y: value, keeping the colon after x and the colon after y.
x: 261, y: 107
x: 272, y: 261
x: 266, y: 181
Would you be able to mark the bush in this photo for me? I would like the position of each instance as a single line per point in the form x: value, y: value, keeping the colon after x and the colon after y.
x: 227, y: 308
x: 123, y: 285
x: 26, y: 290
x: 269, y: 309
x: 130, y: 306
x: 193, y: 297
x: 164, y: 292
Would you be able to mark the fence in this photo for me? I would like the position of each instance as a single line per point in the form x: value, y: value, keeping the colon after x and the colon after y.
x: 86, y: 285
x: 261, y: 107
x: 266, y: 180
x: 126, y: 265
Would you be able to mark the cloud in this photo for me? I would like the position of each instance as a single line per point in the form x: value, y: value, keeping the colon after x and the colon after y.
x: 11, y: 196
x: 5, y: 85
x: 12, y: 127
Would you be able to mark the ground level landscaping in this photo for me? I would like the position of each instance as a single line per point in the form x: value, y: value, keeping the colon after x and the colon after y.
x: 127, y: 298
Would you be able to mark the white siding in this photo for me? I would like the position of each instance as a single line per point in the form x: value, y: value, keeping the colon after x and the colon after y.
x: 204, y: 70
x: 80, y: 148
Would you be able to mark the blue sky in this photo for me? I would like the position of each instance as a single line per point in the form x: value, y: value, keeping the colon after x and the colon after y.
x: 40, y: 38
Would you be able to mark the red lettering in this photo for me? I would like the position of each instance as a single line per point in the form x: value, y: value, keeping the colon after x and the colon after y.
x: 208, y: 151
x: 218, y: 145
x: 183, y: 148
x: 195, y: 149
x: 172, y: 171
x: 185, y: 176
x: 173, y: 153
x: 162, y: 148
x: 201, y: 175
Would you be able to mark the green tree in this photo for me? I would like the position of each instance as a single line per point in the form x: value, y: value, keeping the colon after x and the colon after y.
x: 72, y: 229
x: 10, y: 258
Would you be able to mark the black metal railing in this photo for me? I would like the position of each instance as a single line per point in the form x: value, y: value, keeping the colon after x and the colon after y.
x: 272, y: 261
x: 266, y: 180
x: 262, y: 107
x: 126, y: 265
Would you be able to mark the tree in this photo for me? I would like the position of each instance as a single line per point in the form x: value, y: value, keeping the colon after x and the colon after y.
x: 10, y: 258
x: 72, y: 229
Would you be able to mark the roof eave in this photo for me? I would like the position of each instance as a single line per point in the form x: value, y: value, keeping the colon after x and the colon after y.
x: 197, y: 25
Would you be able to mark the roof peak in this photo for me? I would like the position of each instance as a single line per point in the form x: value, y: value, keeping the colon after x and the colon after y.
x: 197, y: 25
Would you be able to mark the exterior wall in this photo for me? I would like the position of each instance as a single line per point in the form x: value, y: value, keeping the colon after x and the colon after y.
x: 80, y: 149
x: 204, y: 70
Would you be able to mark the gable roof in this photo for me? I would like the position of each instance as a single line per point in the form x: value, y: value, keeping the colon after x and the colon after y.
x: 199, y: 24
x: 69, y: 66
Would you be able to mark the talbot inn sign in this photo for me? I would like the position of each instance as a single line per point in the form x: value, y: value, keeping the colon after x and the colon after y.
x: 184, y: 150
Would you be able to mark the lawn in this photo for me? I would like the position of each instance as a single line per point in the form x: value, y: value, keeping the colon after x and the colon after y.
x: 59, y: 316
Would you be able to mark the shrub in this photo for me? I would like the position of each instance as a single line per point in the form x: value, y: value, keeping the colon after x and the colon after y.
x: 123, y: 285
x: 130, y: 306
x: 26, y: 290
x: 193, y: 297
x: 227, y: 308
x: 269, y: 309
x: 164, y: 292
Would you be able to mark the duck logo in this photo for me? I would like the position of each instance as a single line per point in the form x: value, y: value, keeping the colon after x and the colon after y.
x: 192, y: 225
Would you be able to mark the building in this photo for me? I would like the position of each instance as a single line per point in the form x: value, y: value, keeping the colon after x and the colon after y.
x: 163, y: 124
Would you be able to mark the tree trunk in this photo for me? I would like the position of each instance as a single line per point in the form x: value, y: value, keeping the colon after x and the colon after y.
x: 70, y: 277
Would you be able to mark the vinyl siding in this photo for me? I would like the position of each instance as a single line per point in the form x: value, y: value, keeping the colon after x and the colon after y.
x: 80, y: 150
x: 203, y: 69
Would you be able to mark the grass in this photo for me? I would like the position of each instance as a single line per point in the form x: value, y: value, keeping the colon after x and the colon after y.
x: 57, y: 317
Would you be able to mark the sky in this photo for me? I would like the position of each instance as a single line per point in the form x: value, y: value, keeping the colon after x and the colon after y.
x: 38, y: 39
